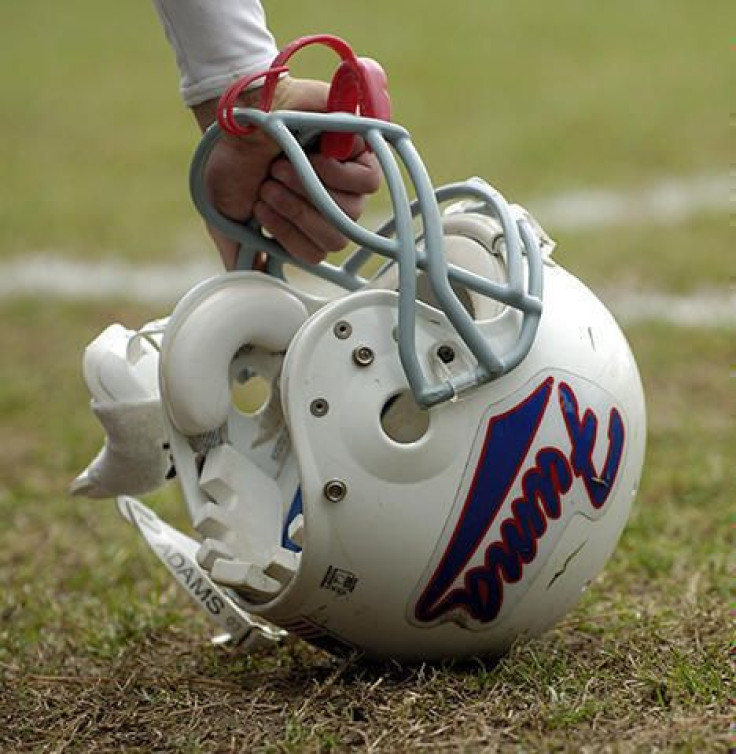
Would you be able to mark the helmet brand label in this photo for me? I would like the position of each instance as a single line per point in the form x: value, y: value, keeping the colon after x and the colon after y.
x: 339, y: 580
x: 528, y: 462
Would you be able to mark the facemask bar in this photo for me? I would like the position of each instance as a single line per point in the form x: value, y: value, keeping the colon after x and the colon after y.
x: 396, y: 241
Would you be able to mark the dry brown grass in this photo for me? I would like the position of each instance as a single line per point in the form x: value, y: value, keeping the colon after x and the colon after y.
x: 575, y: 691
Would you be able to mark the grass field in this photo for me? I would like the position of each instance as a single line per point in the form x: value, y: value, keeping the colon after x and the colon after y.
x: 100, y: 652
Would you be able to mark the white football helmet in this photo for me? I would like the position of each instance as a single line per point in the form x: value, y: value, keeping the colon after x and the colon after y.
x: 450, y: 446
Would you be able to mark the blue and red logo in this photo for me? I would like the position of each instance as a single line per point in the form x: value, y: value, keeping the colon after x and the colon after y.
x: 536, y: 483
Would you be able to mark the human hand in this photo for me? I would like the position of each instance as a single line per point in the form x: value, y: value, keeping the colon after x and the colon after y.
x: 247, y: 178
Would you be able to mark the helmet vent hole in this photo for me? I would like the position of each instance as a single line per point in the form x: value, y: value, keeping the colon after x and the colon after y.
x: 403, y: 420
x: 251, y: 395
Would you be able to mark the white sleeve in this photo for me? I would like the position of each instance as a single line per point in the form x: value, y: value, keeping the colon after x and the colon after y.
x: 216, y: 42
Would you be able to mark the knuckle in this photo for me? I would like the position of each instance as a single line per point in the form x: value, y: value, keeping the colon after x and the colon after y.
x: 302, y: 249
x: 271, y: 192
x: 285, y: 202
x: 316, y: 256
x: 334, y: 242
x: 353, y: 207
x: 373, y: 179
x: 296, y: 209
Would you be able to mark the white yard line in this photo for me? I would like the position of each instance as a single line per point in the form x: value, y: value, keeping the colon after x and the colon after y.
x: 667, y: 202
x: 705, y: 308
x: 58, y: 277
x: 65, y: 279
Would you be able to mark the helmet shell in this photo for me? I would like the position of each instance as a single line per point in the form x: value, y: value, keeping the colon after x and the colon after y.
x: 498, y: 514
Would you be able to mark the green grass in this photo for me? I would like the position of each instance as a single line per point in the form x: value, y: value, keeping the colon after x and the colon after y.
x: 534, y: 97
x: 692, y: 255
x: 99, y: 648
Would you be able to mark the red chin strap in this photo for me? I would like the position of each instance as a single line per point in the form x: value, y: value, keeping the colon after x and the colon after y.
x: 358, y: 86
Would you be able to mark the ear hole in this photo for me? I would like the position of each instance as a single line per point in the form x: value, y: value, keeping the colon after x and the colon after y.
x: 251, y: 395
x: 403, y: 420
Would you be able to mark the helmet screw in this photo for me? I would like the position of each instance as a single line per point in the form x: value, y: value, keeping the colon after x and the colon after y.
x: 446, y: 354
x: 342, y: 329
x: 363, y: 356
x: 335, y: 490
x: 319, y: 407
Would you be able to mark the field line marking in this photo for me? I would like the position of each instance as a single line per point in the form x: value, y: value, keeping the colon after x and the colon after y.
x: 75, y: 280
x: 666, y: 202
x: 704, y: 308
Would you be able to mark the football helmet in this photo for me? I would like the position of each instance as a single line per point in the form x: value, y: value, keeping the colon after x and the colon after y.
x: 447, y: 442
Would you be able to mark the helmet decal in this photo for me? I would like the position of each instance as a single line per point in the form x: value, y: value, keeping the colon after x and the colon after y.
x: 533, y: 494
x: 295, y: 509
x: 583, y: 434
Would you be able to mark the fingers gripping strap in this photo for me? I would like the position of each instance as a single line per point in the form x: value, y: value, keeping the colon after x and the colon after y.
x: 207, y: 330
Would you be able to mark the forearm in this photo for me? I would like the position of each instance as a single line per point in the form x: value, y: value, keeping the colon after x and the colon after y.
x: 216, y: 42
